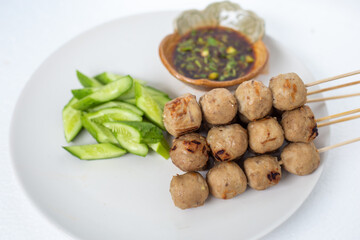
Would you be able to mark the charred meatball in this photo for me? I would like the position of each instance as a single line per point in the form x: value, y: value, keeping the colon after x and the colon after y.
x: 218, y: 106
x: 227, y: 142
x: 254, y: 99
x: 300, y: 158
x: 299, y: 125
x: 190, y: 152
x: 182, y: 115
x: 262, y: 172
x: 189, y: 190
x: 288, y: 91
x: 226, y: 180
x: 265, y: 135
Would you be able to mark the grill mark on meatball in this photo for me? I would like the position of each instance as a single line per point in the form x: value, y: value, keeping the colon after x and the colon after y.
x: 173, y: 148
x: 223, y: 196
x: 287, y: 84
x: 294, y: 92
x: 217, y: 157
x: 186, y: 130
x: 225, y: 156
x: 190, y: 150
x: 314, y: 133
x: 220, y: 152
x: 196, y: 142
x: 178, y: 107
x: 204, y: 149
x: 257, y: 89
x: 272, y: 176
x: 268, y: 140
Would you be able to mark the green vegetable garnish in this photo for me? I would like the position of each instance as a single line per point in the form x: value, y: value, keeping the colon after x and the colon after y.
x: 118, y: 126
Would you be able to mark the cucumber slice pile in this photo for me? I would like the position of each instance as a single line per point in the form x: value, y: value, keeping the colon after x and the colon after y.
x: 121, y: 113
x: 71, y: 120
x: 96, y: 151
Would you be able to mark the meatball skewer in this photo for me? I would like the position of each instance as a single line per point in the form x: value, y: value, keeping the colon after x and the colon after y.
x: 262, y: 171
x: 265, y: 135
x: 182, y: 115
x: 303, y: 158
x: 300, y: 159
x: 226, y: 180
x: 190, y: 152
x: 228, y: 142
x: 218, y: 106
x: 300, y: 124
x: 290, y: 92
x: 189, y: 190
x: 254, y: 100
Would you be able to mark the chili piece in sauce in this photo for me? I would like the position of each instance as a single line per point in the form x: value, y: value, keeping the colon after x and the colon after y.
x: 215, y: 53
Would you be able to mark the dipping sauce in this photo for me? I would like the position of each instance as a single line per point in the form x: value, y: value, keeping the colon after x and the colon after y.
x: 215, y: 53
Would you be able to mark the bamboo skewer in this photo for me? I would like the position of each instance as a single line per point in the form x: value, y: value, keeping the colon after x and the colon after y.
x: 338, y: 115
x: 324, y: 149
x: 338, y: 121
x: 332, y: 78
x: 332, y: 88
x: 332, y: 98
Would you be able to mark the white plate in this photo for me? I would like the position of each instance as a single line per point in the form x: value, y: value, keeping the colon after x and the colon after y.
x: 129, y: 197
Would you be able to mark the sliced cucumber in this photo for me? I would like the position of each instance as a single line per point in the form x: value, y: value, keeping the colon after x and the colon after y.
x: 87, y: 81
x: 161, y: 148
x: 128, y: 137
x: 153, y: 111
x: 153, y: 91
x: 113, y: 114
x: 98, y: 131
x: 83, y: 92
x: 107, y: 77
x: 118, y: 104
x: 105, y: 93
x: 71, y: 120
x: 149, y: 133
x: 130, y: 101
x: 95, y: 151
x: 161, y: 100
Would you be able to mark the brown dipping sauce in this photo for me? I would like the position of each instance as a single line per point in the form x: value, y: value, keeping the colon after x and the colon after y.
x: 215, y: 53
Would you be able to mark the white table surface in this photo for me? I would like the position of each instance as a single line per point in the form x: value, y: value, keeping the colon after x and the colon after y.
x: 323, y: 34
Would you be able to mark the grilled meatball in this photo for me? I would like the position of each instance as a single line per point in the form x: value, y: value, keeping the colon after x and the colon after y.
x: 226, y: 180
x: 254, y: 99
x: 300, y: 158
x: 262, y: 172
x: 190, y: 152
x: 299, y: 125
x: 182, y: 115
x: 288, y: 90
x: 227, y: 142
x: 189, y: 190
x: 219, y: 106
x: 265, y: 135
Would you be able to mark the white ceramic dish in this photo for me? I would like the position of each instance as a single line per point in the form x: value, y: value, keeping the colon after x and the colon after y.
x: 128, y: 197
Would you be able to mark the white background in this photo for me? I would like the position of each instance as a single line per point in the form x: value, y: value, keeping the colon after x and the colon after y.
x: 325, y: 35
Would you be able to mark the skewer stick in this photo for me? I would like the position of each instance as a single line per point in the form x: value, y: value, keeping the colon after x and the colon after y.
x: 332, y: 98
x: 338, y: 121
x: 332, y: 78
x: 332, y: 88
x: 337, y: 115
x: 324, y: 149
